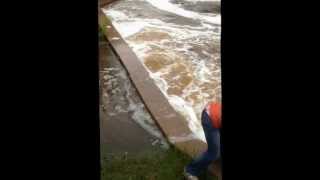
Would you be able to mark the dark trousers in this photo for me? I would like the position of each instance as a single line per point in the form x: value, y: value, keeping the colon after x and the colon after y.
x: 213, y: 152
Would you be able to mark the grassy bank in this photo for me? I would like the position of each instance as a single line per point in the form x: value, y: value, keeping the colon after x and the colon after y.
x: 101, y: 34
x: 156, y: 165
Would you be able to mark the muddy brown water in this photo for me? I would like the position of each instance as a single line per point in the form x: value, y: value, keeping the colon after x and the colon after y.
x: 181, y: 53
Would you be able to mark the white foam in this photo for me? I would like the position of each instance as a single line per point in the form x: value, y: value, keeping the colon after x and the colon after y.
x: 187, y: 111
x: 134, y: 107
x: 115, y: 15
x: 139, y: 48
x: 165, y: 5
x: 177, y: 139
x: 141, y: 116
x: 127, y: 29
x: 119, y: 109
x: 115, y: 38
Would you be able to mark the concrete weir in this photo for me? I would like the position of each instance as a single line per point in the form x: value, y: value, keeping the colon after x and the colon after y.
x: 173, y: 125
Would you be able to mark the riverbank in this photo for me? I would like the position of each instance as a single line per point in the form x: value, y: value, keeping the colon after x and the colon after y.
x: 153, y: 165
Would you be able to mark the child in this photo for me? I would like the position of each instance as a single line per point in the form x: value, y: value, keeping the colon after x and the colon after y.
x: 211, y: 123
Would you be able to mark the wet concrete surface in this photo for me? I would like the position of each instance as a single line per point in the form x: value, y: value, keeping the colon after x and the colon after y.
x: 120, y: 132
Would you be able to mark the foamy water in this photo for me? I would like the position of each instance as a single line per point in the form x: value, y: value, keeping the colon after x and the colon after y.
x: 165, y: 5
x: 182, y: 58
x: 116, y: 82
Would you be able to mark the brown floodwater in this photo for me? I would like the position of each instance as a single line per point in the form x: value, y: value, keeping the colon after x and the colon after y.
x: 179, y: 45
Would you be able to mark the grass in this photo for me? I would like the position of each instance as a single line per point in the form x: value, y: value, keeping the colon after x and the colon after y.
x: 101, y: 34
x: 156, y: 165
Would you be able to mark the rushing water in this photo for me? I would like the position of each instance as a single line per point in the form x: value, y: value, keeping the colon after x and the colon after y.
x: 178, y: 41
x: 120, y: 100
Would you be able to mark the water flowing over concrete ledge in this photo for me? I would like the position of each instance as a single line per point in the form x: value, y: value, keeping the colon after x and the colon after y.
x: 172, y: 124
x: 174, y: 127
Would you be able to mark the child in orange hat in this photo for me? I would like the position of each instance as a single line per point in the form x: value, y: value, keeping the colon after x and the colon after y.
x: 211, y: 123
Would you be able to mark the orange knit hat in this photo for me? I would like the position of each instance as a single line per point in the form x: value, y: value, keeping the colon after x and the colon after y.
x: 215, y: 114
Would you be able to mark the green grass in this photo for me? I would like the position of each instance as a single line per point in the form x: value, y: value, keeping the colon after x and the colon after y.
x: 101, y: 34
x: 156, y: 165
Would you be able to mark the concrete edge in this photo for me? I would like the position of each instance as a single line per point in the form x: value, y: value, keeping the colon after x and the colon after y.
x: 168, y: 120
